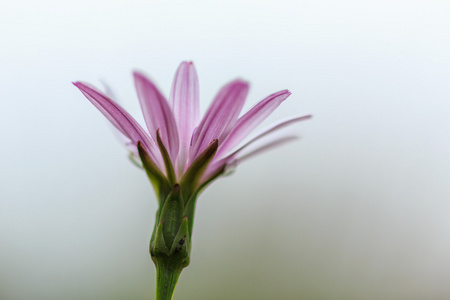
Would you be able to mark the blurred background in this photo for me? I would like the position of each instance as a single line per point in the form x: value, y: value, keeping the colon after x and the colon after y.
x: 357, y: 209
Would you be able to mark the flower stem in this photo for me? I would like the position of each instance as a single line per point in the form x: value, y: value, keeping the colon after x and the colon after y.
x: 167, y: 275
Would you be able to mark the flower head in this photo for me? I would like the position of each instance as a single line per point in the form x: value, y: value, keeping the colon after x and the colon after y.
x: 176, y: 138
x: 182, y: 152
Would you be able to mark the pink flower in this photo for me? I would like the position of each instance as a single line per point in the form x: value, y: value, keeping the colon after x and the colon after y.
x: 175, y: 133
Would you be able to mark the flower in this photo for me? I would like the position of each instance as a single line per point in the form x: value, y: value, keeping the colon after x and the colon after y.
x: 181, y: 131
x: 182, y: 152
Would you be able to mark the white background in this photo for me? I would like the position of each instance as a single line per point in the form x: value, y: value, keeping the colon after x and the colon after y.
x: 357, y: 209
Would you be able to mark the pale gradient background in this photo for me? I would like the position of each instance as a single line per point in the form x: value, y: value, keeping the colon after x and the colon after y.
x: 359, y: 208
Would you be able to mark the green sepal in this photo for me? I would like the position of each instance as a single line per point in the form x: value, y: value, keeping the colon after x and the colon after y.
x: 172, y: 232
x: 170, y: 245
x: 155, y: 228
x: 181, y: 246
x: 158, y: 245
x: 171, y: 215
x: 189, y: 211
x: 167, y: 161
x: 157, y: 178
x: 190, y: 181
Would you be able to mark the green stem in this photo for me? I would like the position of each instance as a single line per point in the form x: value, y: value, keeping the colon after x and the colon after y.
x: 167, y: 275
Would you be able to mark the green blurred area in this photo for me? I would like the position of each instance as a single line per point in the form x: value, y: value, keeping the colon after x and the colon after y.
x: 261, y: 242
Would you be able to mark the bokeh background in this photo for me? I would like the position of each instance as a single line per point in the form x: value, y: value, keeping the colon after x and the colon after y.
x: 357, y: 209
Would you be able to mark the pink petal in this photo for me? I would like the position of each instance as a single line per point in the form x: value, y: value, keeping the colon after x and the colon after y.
x: 185, y: 103
x: 213, y: 167
x: 119, y: 135
x: 265, y: 140
x: 125, y: 123
x: 220, y: 117
x: 251, y: 120
x: 268, y: 131
x: 265, y: 147
x: 157, y: 113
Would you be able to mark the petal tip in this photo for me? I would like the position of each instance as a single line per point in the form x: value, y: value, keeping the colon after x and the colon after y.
x: 137, y: 74
x: 239, y: 82
x: 242, y: 81
x: 186, y: 64
x: 81, y: 85
x: 304, y: 117
x: 283, y: 95
x: 285, y: 92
